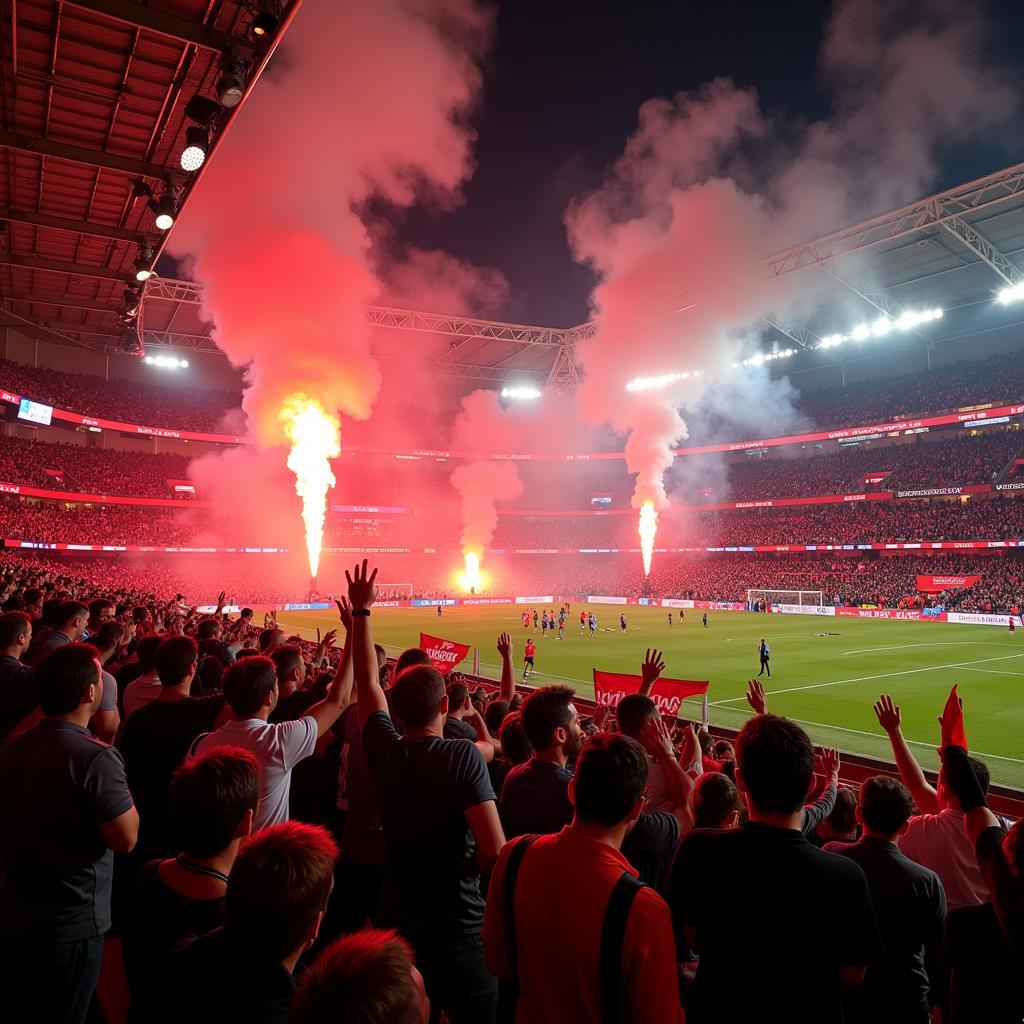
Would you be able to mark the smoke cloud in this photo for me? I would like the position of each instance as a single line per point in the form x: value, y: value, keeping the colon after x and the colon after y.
x: 708, y: 185
x: 364, y: 103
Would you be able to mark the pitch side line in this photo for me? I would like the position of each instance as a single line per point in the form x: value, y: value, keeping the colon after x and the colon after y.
x: 881, y: 675
x: 944, y: 643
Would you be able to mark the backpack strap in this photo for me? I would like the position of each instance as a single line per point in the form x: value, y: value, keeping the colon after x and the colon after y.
x: 613, y: 938
x: 508, y: 893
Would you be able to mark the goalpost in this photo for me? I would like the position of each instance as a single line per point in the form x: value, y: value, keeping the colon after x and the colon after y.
x: 394, y: 591
x: 758, y: 599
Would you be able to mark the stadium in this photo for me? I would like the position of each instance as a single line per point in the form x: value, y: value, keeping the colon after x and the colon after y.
x: 781, y: 448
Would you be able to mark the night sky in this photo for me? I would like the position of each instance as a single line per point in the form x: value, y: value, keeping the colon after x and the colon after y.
x: 562, y: 88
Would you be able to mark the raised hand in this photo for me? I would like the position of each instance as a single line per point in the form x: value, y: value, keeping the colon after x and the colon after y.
x: 830, y: 763
x: 505, y: 645
x: 329, y: 637
x: 362, y: 587
x: 756, y: 697
x: 651, y: 669
x: 888, y: 714
x: 601, y: 715
x: 951, y: 722
x: 344, y: 613
x: 656, y: 740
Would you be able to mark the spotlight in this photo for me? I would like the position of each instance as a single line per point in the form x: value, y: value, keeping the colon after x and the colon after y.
x: 265, y: 22
x: 184, y: 364
x: 132, y: 302
x: 524, y: 394
x: 1011, y: 293
x: 231, y: 83
x: 143, y: 268
x: 164, y: 210
x: 197, y: 145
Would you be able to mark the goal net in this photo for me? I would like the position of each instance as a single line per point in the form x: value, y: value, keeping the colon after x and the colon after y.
x: 764, y: 600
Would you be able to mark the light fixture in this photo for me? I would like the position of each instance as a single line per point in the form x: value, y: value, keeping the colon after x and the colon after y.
x: 265, y: 22
x: 197, y: 145
x: 132, y: 302
x: 1011, y: 293
x: 521, y: 394
x: 164, y: 210
x: 143, y: 265
x: 167, y: 362
x: 231, y: 82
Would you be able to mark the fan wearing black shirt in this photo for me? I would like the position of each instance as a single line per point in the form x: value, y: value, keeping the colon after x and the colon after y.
x: 808, y: 925
x: 211, y: 804
x: 909, y: 901
x: 17, y: 697
x: 157, y: 737
x: 440, y: 823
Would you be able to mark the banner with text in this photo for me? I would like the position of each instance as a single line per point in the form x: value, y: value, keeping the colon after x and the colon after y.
x: 444, y: 655
x: 598, y: 599
x: 668, y: 694
x: 935, y: 584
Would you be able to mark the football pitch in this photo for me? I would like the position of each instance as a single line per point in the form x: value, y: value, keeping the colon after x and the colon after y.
x: 827, y: 683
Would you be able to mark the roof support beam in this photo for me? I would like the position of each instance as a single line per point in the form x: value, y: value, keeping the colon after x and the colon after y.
x: 163, y: 23
x: 77, y: 227
x: 65, y: 301
x: 60, y: 267
x: 863, y: 290
x: 88, y: 157
x: 974, y: 240
x: 803, y: 336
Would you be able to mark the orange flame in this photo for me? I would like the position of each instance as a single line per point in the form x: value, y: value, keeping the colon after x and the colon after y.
x: 648, y: 529
x: 315, y: 438
x: 471, y: 578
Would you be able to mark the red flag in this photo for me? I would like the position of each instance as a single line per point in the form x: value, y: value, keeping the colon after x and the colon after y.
x: 444, y: 655
x: 668, y: 694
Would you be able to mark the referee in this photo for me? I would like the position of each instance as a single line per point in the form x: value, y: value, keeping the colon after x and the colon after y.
x: 765, y: 652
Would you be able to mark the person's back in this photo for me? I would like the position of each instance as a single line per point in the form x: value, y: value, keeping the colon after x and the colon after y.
x: 785, y: 948
x: 910, y: 905
x: 211, y: 804
x: 568, y: 941
x: 156, y: 739
x: 276, y: 895
x: 65, y: 809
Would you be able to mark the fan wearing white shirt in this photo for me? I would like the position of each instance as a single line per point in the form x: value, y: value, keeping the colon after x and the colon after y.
x: 251, y: 691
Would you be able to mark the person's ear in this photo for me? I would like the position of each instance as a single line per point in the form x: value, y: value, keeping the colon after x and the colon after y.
x: 734, y: 819
x: 245, y: 825
x: 858, y: 816
x: 444, y: 705
x: 560, y: 736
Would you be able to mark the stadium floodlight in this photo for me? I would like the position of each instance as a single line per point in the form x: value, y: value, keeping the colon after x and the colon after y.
x: 883, y: 326
x: 661, y: 381
x: 144, y: 265
x: 231, y: 83
x: 164, y: 210
x: 197, y: 145
x: 265, y: 22
x: 766, y: 357
x: 521, y: 393
x: 167, y: 362
x: 1011, y: 293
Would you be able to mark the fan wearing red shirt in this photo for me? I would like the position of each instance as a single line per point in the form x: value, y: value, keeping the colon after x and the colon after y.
x: 601, y: 948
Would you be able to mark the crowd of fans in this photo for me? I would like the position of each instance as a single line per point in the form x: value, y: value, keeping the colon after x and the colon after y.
x: 77, y: 468
x: 298, y: 834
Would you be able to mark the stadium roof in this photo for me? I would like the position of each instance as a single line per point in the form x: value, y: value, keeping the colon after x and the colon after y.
x: 94, y: 100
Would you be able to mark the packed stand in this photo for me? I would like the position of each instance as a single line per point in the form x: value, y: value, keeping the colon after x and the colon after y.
x: 151, y: 405
x: 298, y: 834
x: 92, y: 470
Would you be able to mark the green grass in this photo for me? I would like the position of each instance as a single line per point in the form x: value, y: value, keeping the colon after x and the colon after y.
x: 827, y: 683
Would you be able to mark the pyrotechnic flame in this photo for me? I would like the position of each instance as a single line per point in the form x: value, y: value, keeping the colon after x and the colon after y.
x: 471, y: 578
x: 315, y: 438
x: 648, y: 529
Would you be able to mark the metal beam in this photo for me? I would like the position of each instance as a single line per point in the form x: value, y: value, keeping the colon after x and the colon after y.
x: 974, y: 240
x: 61, y: 267
x: 565, y: 373
x: 37, y: 329
x: 78, y: 227
x: 463, y: 327
x: 908, y: 220
x: 89, y: 157
x: 184, y: 30
x: 59, y: 300
x: 803, y: 336
x: 863, y: 290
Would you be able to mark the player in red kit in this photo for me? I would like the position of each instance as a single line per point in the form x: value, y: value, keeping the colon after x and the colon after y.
x: 529, y: 653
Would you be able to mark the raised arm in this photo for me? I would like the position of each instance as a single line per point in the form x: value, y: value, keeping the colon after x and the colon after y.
x: 362, y: 592
x: 339, y: 696
x: 815, y: 813
x: 484, y: 741
x: 507, y: 689
x: 658, y: 743
x: 921, y: 790
x: 756, y: 696
x: 650, y: 670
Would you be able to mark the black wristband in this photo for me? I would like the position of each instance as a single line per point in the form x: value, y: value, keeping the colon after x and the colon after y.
x: 361, y: 611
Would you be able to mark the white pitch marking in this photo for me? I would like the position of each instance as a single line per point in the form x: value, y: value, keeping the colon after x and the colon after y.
x: 943, y: 643
x: 881, y: 675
